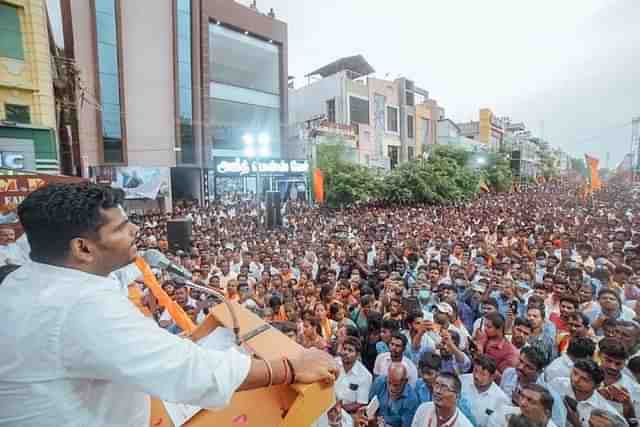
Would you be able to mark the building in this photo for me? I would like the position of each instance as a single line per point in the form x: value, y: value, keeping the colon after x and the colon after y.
x: 388, y: 121
x: 27, y: 108
x: 176, y: 108
x: 449, y: 134
x: 488, y: 129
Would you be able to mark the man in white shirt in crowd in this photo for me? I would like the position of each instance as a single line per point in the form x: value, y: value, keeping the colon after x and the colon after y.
x: 622, y: 392
x: 354, y: 381
x: 443, y: 411
x: 579, y: 393
x: 395, y: 354
x: 480, y: 390
x: 535, y: 404
x: 579, y: 348
x: 603, y: 418
x: 79, y: 353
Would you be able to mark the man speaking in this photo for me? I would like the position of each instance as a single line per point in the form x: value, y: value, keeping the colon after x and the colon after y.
x: 75, y: 352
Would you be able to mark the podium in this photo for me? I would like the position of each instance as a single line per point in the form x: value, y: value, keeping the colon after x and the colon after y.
x: 297, y: 405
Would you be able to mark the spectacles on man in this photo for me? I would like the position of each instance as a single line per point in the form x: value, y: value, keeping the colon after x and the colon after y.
x: 439, y: 387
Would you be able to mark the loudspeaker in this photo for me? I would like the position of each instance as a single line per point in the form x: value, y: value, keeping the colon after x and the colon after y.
x: 179, y: 234
x: 273, y: 214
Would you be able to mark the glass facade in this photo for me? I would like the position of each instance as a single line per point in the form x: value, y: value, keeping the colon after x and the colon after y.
x: 107, y: 47
x: 244, y: 90
x: 10, y: 33
x: 185, y: 89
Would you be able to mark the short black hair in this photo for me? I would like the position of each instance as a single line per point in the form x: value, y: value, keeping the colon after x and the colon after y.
x: 430, y: 360
x: 581, y: 348
x: 487, y: 363
x: 390, y: 324
x: 496, y: 320
x: 592, y: 369
x: 523, y: 321
x: 354, y: 342
x: 634, y: 365
x: 54, y: 215
x: 400, y: 336
x: 545, y: 396
x: 612, y: 347
x: 535, y: 355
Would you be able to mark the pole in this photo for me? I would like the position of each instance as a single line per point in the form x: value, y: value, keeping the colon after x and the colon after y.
x: 258, y: 192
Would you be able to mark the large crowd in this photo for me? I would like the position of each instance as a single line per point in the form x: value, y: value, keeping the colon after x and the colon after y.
x: 515, y: 309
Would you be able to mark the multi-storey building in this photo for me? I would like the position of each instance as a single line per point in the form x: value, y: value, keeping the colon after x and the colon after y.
x: 175, y: 87
x: 387, y: 121
x: 27, y: 107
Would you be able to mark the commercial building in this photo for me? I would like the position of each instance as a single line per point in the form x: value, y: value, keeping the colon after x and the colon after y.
x: 382, y: 122
x: 215, y: 72
x: 488, y: 129
x: 449, y: 134
x: 27, y: 108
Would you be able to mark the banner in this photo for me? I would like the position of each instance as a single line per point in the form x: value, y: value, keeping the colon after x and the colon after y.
x: 592, y: 166
x: 15, y: 186
x: 318, y: 185
x: 136, y: 182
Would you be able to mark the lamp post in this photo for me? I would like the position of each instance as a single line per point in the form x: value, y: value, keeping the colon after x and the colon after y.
x: 252, y: 152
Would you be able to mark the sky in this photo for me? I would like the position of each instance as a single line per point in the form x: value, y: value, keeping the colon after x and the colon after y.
x: 566, y: 68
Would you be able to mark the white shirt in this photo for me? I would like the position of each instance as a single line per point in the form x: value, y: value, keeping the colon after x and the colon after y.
x: 358, y: 375
x: 323, y: 421
x: 383, y: 361
x: 563, y: 387
x: 76, y: 352
x: 560, y: 368
x: 427, y: 412
x: 500, y: 418
x: 634, y: 393
x: 16, y: 252
x: 482, y: 404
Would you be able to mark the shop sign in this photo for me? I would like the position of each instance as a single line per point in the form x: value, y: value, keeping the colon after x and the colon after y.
x: 238, y: 166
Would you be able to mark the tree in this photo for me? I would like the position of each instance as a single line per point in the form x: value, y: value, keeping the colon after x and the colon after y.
x: 498, y: 173
x: 345, y: 182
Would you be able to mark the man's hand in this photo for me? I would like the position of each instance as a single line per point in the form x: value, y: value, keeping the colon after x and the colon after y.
x: 313, y: 365
x: 619, y: 395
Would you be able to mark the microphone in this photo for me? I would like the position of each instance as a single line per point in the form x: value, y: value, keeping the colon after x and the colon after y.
x: 156, y: 259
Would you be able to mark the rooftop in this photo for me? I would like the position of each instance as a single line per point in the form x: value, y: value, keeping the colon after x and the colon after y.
x: 356, y: 65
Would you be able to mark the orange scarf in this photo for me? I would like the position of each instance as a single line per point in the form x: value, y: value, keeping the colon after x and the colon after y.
x: 178, y: 315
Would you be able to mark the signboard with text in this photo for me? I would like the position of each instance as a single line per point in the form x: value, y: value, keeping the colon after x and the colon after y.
x: 15, y: 186
x: 230, y: 166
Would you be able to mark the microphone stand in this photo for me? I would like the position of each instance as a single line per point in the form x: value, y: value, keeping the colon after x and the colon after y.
x: 220, y: 296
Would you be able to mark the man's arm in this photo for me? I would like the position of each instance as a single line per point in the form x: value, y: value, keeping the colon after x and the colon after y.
x: 105, y: 337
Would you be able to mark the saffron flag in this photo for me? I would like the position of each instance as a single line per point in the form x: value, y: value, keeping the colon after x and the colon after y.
x: 592, y: 164
x: 178, y: 315
x: 318, y: 185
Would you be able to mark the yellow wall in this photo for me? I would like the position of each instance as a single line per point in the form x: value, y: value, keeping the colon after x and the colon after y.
x: 485, y: 125
x: 29, y: 82
x: 422, y: 112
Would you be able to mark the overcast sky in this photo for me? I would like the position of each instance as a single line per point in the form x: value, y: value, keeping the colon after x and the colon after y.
x: 565, y: 67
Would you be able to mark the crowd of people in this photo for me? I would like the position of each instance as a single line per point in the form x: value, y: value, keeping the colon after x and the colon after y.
x: 515, y: 309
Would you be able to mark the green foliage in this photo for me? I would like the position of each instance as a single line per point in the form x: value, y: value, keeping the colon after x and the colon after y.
x: 498, y: 173
x: 448, y: 175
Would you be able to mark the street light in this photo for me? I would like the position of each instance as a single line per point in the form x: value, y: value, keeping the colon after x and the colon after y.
x: 481, y: 161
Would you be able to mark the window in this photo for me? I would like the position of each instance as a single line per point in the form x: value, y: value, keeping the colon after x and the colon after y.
x: 228, y: 62
x: 10, y: 33
x: 109, y: 78
x: 410, y: 98
x: 331, y: 110
x: 17, y: 113
x: 410, y: 153
x: 410, y: 127
x: 358, y: 110
x: 392, y: 119
x: 185, y: 95
x: 392, y: 152
x: 230, y: 121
